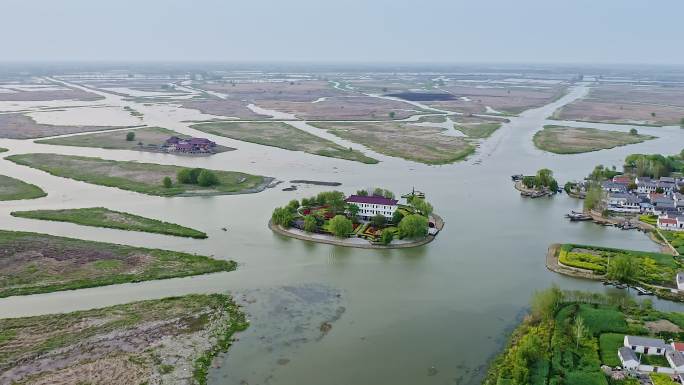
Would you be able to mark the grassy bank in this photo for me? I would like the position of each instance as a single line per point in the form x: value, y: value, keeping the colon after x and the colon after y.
x: 549, y: 347
x: 38, y: 263
x: 282, y: 135
x: 2, y: 149
x: 574, y: 140
x: 14, y: 189
x: 162, y: 340
x: 146, y: 139
x: 478, y: 130
x: 144, y: 178
x: 103, y: 217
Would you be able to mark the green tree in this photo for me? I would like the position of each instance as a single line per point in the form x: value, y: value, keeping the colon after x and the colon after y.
x: 194, y: 175
x: 543, y: 178
x: 378, y: 192
x: 310, y: 224
x: 362, y: 193
x: 623, y: 268
x: 282, y: 217
x: 167, y: 182
x: 184, y: 176
x: 340, y: 226
x: 130, y: 136
x: 207, y: 178
x: 293, y: 205
x: 378, y: 220
x: 387, y: 237
x: 392, y: 114
x: 353, y: 211
x: 528, y: 181
x: 579, y: 330
x: 397, y: 216
x: 422, y: 206
x: 633, y: 131
x: 413, y: 226
x: 593, y: 197
x: 545, y: 303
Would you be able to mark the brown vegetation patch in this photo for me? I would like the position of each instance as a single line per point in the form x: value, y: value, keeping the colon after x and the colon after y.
x: 628, y: 103
x: 344, y: 108
x: 19, y: 126
x: 503, y: 98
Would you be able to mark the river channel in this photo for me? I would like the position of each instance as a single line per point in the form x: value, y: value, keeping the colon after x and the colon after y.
x: 429, y: 315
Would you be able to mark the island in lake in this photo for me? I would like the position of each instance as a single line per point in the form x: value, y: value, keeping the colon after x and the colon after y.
x: 367, y: 219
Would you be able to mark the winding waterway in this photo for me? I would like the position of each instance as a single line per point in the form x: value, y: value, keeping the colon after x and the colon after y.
x: 446, y: 305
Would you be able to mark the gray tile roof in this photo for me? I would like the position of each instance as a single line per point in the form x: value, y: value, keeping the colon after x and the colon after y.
x: 645, y: 341
x: 627, y: 354
x: 676, y: 358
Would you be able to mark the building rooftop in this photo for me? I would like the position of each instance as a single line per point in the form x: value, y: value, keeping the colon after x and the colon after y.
x: 374, y: 200
x: 645, y: 341
x: 627, y: 354
x: 675, y: 358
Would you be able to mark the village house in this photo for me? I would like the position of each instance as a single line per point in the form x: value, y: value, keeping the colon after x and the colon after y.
x: 628, y: 359
x: 613, y: 187
x: 676, y: 360
x: 189, y: 145
x: 645, y: 345
x: 622, y: 202
x: 369, y: 206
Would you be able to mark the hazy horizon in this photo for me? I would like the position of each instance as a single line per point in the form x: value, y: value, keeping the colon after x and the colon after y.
x: 307, y: 31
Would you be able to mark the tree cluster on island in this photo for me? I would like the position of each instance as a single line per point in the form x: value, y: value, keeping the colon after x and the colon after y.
x: 542, y: 180
x: 198, y: 176
x: 328, y: 212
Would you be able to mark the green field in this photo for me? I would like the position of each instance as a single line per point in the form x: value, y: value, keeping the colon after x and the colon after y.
x: 282, y: 135
x: 14, y: 189
x: 3, y: 149
x: 154, y: 341
x: 676, y: 239
x: 146, y: 139
x: 574, y: 140
x: 144, y: 178
x: 102, y: 217
x: 651, y: 267
x: 39, y: 263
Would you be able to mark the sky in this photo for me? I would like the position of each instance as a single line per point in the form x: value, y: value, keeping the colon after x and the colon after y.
x: 336, y: 31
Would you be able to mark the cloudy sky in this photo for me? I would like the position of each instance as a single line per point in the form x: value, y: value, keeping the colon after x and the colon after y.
x: 447, y: 31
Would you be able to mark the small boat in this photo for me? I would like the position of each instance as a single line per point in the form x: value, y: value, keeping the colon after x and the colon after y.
x: 516, y: 177
x: 608, y: 283
x: 642, y: 291
x: 621, y: 286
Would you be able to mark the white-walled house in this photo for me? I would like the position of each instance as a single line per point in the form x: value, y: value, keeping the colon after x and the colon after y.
x: 622, y: 202
x: 369, y: 206
x: 645, y: 345
x: 676, y: 360
x: 628, y: 358
x: 666, y: 222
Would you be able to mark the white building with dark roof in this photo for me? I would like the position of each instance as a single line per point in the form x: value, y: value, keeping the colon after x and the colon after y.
x: 369, y: 206
x: 628, y: 358
x: 646, y: 345
x: 676, y: 360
